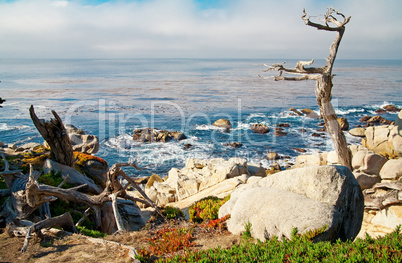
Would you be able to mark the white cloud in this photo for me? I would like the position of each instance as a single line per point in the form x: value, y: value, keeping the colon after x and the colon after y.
x: 176, y: 28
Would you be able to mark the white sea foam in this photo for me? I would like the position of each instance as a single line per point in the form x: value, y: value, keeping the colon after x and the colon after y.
x: 349, y: 111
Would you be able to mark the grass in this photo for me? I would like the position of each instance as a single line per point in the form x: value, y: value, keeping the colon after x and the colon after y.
x: 300, y: 248
x: 91, y: 233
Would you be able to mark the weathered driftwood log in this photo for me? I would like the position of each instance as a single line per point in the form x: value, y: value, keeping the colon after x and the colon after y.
x: 64, y: 221
x: 105, y: 217
x: 16, y: 207
x: 323, y: 77
x: 56, y: 136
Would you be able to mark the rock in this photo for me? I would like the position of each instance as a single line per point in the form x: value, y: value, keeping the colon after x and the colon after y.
x: 222, y: 123
x: 236, y: 144
x: 300, y: 150
x: 380, y: 111
x: 256, y: 170
x: 314, y: 134
x: 283, y: 125
x: 389, y: 217
x: 296, y: 111
x: 29, y: 146
x: 358, y: 132
x: 1, y: 144
x: 365, y: 119
x: 392, y: 170
x: 396, y: 135
x: 141, y: 180
x: 259, y: 128
x: 309, y: 160
x: 131, y: 215
x: 368, y: 162
x: 272, y: 156
x: 310, y: 113
x: 152, y: 179
x: 302, y: 130
x: 391, y: 108
x: 187, y: 146
x: 332, y: 158
x: 75, y: 177
x: 200, y: 174
x: 322, y: 129
x: 280, y: 133
x: 82, y: 142
x: 376, y: 120
x: 381, y: 139
x: 94, y: 167
x: 299, y: 198
x: 366, y: 180
x: 148, y: 135
x: 343, y: 123
x: 219, y: 190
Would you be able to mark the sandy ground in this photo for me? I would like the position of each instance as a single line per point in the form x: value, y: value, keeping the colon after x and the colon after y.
x: 77, y: 248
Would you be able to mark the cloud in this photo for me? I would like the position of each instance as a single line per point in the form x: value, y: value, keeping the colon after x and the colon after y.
x: 180, y: 28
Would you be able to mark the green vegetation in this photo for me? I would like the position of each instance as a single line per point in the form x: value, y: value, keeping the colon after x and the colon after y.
x: 167, y: 240
x: 206, y: 209
x: 301, y: 249
x: 172, y: 212
x: 91, y: 233
x: 247, y: 231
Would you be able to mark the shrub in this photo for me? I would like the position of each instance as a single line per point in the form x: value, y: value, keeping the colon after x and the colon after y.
x: 167, y: 240
x: 172, y: 212
x: 90, y: 233
x: 301, y: 249
x: 206, y: 209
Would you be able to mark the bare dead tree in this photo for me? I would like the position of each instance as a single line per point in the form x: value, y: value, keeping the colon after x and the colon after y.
x: 333, y: 21
x: 56, y: 136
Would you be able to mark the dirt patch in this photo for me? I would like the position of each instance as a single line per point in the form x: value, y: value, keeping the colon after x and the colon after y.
x: 77, y: 248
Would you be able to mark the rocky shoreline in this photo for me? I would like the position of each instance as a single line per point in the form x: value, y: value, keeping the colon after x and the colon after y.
x: 377, y: 168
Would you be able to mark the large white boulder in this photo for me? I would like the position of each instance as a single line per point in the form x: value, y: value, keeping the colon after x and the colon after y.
x: 326, y: 195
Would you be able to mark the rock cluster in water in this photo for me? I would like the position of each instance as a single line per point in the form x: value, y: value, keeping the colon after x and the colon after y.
x: 147, y: 135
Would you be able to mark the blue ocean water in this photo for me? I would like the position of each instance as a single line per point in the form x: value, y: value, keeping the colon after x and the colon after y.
x: 111, y: 98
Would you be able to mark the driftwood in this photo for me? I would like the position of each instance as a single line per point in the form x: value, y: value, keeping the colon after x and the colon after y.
x: 323, y: 77
x: 104, y: 214
x: 27, y: 195
x: 56, y: 136
x: 64, y: 221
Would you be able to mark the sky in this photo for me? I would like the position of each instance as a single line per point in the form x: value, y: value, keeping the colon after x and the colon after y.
x: 195, y: 29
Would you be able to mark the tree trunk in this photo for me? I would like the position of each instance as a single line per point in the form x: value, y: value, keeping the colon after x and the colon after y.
x: 56, y: 136
x: 323, y: 93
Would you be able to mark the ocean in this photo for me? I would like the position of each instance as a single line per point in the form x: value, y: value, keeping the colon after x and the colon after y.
x: 111, y: 98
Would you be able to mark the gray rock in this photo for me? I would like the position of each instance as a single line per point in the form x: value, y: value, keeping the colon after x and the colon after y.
x: 278, y: 211
x: 130, y: 214
x: 75, y: 177
x: 329, y: 185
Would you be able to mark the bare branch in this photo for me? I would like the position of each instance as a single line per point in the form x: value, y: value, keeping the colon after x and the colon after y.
x: 328, y: 18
